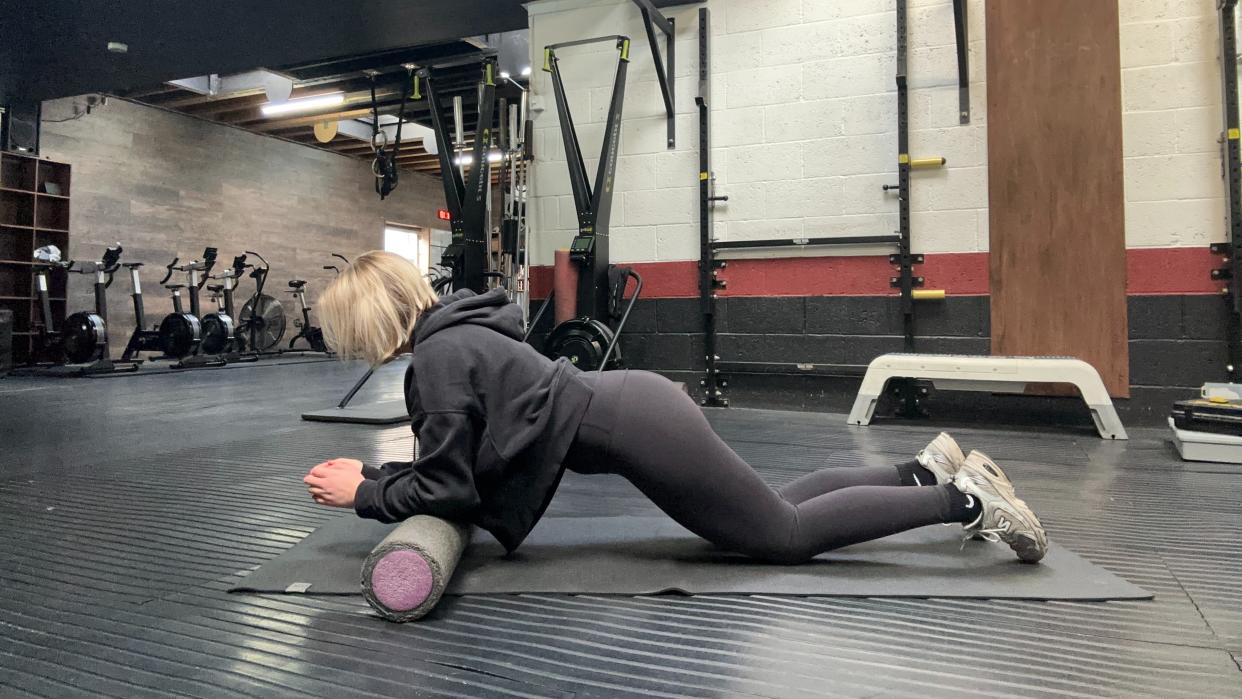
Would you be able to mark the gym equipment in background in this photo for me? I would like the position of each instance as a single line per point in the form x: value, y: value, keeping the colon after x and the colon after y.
x: 220, y: 328
x: 907, y: 284
x: 384, y: 166
x: 306, y: 331
x: 262, y: 317
x: 590, y: 340
x: 182, y: 332
x: 311, y: 333
x: 467, y: 200
x: 82, y: 343
x: 990, y: 375
x: 142, y: 339
x: 514, y: 182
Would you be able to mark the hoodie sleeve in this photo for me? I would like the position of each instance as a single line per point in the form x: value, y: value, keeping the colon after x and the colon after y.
x: 386, y: 469
x: 440, y: 483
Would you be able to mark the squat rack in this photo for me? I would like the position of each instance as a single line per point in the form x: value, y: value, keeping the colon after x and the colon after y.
x: 1231, y: 157
x: 905, y: 281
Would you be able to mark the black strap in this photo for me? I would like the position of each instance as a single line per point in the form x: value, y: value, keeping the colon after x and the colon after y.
x: 385, y: 165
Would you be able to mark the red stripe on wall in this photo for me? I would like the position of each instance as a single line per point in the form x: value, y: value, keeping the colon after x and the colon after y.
x: 1152, y: 271
x: 1155, y: 271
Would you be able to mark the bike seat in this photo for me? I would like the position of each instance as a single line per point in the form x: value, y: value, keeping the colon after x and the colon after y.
x: 174, y: 287
x: 132, y: 265
x: 215, y: 288
x: 296, y: 283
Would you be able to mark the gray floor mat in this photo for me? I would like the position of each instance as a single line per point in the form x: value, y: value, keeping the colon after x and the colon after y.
x: 653, y: 555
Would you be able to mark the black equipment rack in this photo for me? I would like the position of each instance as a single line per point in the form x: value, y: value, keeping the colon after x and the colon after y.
x: 904, y: 261
x: 466, y: 199
x: 1232, y: 161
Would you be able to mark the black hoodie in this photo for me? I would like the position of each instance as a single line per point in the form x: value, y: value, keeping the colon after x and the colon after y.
x: 494, y: 420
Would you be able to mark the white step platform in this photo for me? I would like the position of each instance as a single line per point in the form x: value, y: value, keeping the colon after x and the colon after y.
x: 990, y: 375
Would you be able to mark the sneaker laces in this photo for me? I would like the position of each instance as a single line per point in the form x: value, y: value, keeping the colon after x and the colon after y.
x: 992, y: 534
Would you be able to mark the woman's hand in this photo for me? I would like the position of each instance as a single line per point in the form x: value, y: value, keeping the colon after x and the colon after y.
x: 333, y: 483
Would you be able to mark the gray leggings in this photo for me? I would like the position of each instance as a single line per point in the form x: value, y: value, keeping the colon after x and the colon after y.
x: 642, y: 427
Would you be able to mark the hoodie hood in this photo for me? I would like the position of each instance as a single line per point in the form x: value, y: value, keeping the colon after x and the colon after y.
x: 464, y: 307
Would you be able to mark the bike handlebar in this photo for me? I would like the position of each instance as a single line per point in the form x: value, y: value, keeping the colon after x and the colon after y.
x: 265, y: 264
x: 172, y: 267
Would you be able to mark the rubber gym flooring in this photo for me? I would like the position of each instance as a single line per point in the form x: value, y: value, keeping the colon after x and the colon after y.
x: 128, y: 505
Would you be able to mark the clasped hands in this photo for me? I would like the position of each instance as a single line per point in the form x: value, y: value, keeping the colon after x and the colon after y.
x: 334, y: 483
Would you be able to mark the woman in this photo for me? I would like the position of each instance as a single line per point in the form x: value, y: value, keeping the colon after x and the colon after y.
x: 498, y: 423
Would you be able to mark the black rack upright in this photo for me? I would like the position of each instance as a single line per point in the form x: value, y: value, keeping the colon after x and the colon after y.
x: 1230, y: 156
x: 905, y: 281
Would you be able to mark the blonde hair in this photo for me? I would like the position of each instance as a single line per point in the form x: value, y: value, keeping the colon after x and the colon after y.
x: 369, y: 311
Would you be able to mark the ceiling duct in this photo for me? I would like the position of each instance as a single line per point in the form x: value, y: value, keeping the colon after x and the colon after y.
x: 277, y: 87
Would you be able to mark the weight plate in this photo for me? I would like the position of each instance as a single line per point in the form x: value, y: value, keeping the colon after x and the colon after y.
x: 83, y: 337
x: 583, y: 342
x: 180, y: 334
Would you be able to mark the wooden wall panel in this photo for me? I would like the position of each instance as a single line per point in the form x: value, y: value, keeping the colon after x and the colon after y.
x: 167, y: 184
x: 1056, y: 193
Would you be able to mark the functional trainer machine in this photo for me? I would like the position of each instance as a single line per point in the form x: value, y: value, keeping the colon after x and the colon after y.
x: 904, y: 280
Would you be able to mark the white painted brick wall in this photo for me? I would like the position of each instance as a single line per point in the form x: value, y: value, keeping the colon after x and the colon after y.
x: 804, y: 124
x: 1170, y: 85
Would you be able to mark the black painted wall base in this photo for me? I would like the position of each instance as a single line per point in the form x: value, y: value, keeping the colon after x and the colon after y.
x: 1176, y: 344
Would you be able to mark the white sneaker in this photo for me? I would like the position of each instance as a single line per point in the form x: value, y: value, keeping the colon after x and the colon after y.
x: 1005, y: 517
x: 943, y: 457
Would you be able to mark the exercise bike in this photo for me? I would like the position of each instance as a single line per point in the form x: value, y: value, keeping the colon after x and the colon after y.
x: 180, y: 332
x: 142, y: 339
x: 220, y: 328
x: 311, y: 333
x: 82, y: 343
x: 262, y: 317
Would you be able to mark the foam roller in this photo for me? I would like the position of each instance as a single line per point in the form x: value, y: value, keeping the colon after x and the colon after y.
x: 406, y: 573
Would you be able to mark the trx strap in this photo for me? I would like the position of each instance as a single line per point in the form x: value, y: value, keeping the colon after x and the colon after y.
x: 385, y: 164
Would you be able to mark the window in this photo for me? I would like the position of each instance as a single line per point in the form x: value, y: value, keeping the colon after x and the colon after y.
x: 440, y: 240
x: 410, y: 243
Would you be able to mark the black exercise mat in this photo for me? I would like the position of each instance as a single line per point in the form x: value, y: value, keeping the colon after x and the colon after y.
x: 387, y: 412
x: 653, y: 555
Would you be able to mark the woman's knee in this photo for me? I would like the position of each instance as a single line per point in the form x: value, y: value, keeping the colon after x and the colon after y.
x: 780, y: 544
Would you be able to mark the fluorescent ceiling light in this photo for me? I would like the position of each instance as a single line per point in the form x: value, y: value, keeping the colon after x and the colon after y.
x: 304, y: 104
x: 526, y: 72
x: 504, y: 75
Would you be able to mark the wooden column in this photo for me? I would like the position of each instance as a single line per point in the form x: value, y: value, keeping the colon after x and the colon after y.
x: 1056, y: 190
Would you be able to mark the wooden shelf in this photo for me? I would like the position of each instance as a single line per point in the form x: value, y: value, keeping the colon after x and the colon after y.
x: 30, y: 217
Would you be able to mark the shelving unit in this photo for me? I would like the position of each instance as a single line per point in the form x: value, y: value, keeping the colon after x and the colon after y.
x: 34, y: 211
